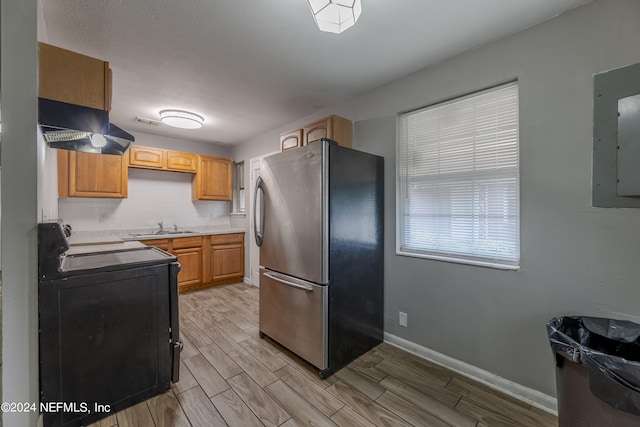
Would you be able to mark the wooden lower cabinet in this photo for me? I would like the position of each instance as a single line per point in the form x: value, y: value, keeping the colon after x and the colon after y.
x: 206, y: 260
x: 227, y: 258
x: 191, y: 271
x: 189, y: 252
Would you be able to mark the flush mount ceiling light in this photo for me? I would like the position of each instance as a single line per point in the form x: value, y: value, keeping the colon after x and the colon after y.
x: 335, y: 16
x: 181, y: 119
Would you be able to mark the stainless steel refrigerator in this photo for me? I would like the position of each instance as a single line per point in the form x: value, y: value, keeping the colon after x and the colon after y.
x: 318, y: 216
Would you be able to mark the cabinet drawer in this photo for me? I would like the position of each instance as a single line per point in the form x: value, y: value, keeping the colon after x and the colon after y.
x: 187, y: 242
x: 294, y: 312
x: 218, y: 239
x: 157, y: 243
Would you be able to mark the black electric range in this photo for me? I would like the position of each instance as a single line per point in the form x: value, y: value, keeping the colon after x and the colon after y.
x: 108, y: 321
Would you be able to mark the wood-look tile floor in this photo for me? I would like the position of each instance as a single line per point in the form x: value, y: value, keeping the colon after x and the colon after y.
x: 229, y: 376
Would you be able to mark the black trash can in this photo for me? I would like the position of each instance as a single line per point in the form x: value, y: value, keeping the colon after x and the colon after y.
x: 597, y: 371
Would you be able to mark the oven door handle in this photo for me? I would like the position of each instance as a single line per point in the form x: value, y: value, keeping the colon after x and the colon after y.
x: 174, y: 342
x: 288, y: 282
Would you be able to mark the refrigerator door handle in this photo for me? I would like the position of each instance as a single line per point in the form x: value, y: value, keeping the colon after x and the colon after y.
x: 288, y: 283
x: 259, y: 236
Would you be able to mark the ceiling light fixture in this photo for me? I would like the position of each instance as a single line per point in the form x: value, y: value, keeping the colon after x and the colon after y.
x: 181, y: 119
x: 335, y: 16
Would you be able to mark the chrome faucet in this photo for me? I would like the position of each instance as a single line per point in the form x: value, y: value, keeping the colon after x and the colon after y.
x: 161, y: 225
x: 175, y: 228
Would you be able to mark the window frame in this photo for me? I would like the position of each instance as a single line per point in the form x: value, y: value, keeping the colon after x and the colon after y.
x: 238, y: 205
x: 467, y: 259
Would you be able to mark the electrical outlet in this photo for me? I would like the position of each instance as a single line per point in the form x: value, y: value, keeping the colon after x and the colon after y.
x: 402, y: 319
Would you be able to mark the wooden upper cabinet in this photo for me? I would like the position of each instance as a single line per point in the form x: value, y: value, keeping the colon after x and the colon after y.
x: 146, y: 157
x: 70, y: 77
x: 213, y: 179
x: 92, y: 175
x: 332, y: 127
x: 157, y: 158
x: 182, y: 162
x: 292, y: 139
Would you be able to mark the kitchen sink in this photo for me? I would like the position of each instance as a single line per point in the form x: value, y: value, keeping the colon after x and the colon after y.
x: 161, y: 233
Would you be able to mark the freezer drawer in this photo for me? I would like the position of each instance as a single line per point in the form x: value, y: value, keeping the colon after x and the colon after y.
x: 293, y: 312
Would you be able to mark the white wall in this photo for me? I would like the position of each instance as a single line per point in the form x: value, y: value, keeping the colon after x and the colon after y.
x: 18, y: 82
x: 154, y: 196
x: 575, y: 259
x: 47, y: 181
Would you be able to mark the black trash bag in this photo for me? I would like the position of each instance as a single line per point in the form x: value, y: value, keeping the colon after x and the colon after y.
x: 609, y: 349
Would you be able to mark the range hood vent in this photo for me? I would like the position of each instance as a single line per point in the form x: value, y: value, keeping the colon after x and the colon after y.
x: 74, y: 127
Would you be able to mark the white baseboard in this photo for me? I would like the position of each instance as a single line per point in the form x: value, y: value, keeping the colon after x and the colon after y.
x: 533, y: 397
x: 248, y: 282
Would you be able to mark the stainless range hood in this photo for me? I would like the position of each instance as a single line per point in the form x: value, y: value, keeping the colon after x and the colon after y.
x: 74, y: 127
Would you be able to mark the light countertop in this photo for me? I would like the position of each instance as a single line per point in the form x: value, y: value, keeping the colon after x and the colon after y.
x: 112, y: 237
x: 107, y: 247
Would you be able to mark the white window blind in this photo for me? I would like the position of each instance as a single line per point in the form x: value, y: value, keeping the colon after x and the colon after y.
x: 458, y: 188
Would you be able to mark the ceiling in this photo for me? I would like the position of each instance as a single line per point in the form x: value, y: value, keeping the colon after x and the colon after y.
x: 248, y: 66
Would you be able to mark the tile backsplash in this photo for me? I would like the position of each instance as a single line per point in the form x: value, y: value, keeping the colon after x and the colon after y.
x: 154, y: 196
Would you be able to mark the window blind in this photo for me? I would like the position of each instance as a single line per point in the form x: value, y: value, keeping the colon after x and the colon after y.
x: 458, y: 187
